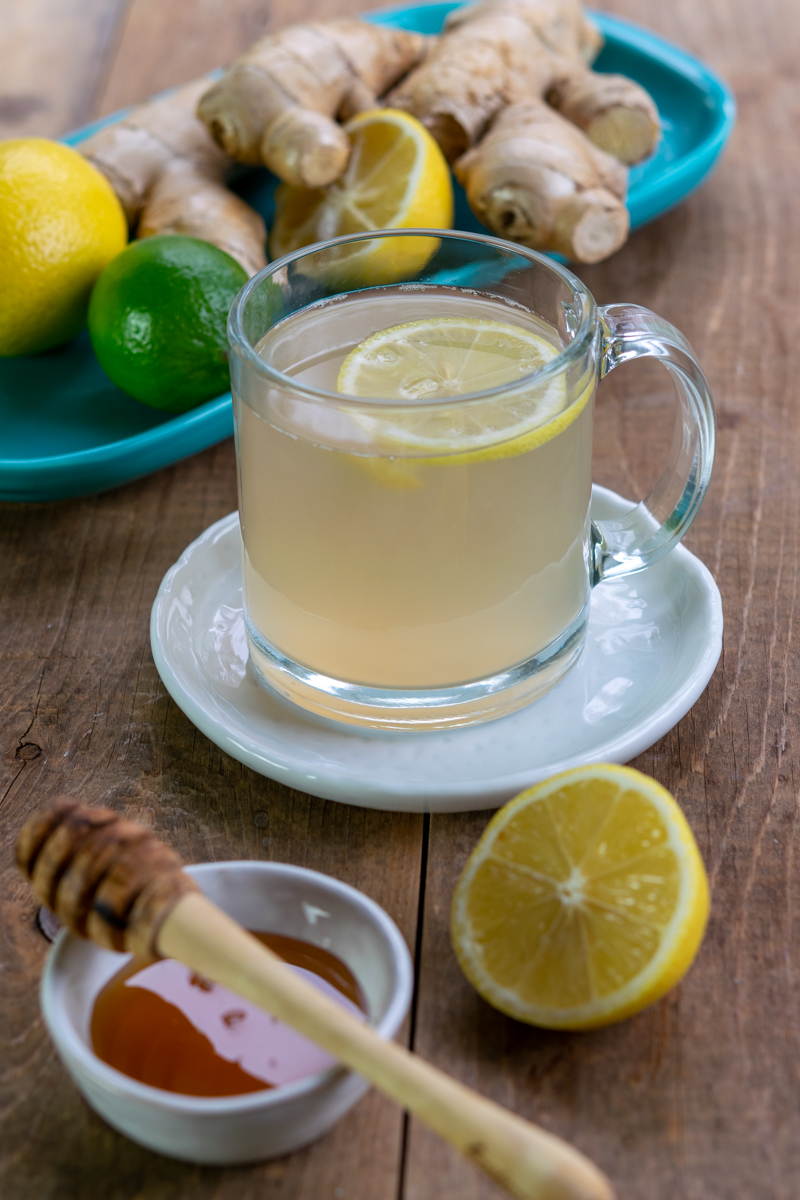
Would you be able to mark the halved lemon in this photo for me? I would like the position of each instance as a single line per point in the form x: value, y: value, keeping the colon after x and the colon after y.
x: 397, y: 178
x: 585, y: 900
x: 440, y: 357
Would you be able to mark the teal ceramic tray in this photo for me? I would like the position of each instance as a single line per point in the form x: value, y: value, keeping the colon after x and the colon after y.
x: 67, y: 430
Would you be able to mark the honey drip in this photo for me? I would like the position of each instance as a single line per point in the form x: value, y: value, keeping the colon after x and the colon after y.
x: 163, y: 1025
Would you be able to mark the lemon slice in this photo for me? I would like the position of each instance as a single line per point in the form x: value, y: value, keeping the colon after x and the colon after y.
x: 440, y: 357
x: 584, y: 901
x: 397, y: 178
x: 431, y: 360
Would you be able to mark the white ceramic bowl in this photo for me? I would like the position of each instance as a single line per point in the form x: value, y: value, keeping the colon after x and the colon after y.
x: 262, y: 896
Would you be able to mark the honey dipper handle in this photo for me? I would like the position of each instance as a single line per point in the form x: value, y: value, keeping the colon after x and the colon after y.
x: 528, y: 1162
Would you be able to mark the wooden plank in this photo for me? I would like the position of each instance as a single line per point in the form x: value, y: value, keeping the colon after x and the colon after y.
x: 53, y: 62
x: 167, y: 44
x: 85, y: 713
x: 695, y: 1098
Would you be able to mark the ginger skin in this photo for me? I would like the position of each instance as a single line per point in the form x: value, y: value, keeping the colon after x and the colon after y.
x: 170, y: 177
x: 487, y: 58
x: 277, y: 104
x: 536, y: 179
x: 538, y: 176
x: 614, y: 112
x: 500, y: 52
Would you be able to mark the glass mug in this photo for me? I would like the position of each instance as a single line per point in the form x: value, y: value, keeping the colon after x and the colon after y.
x: 422, y: 564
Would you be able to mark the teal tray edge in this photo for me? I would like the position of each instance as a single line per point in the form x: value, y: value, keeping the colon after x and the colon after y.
x: 100, y: 468
x: 653, y: 191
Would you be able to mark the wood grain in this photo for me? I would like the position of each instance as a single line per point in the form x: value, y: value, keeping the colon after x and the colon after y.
x: 164, y: 44
x: 54, y: 59
x: 695, y: 1099
x: 87, y: 715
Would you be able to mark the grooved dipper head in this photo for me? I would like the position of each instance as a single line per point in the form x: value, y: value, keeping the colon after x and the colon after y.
x: 104, y: 877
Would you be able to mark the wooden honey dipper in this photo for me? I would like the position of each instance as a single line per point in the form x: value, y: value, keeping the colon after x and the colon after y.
x: 113, y: 881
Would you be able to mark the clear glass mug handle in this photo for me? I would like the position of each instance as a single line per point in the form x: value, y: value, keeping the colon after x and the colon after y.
x: 649, y: 531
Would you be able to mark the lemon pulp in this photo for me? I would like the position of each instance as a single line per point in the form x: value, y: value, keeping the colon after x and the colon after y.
x: 437, y: 358
x: 585, y: 900
x: 397, y: 178
x: 446, y: 356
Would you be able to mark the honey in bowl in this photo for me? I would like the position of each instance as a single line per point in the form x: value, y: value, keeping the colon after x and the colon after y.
x: 168, y: 1027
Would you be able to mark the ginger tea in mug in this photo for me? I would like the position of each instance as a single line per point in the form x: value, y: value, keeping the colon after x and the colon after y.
x: 415, y: 476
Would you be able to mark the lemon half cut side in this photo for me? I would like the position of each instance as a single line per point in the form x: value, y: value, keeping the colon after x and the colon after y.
x: 585, y: 900
x: 396, y: 178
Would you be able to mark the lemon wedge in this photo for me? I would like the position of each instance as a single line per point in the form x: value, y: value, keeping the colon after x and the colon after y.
x: 437, y: 358
x: 397, y: 178
x: 585, y: 900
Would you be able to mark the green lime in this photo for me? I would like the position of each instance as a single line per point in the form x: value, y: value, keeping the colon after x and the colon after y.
x: 157, y: 320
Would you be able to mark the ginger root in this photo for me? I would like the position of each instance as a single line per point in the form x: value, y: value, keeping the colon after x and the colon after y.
x: 514, y: 73
x: 614, y: 112
x: 484, y: 61
x: 536, y: 179
x: 276, y: 105
x: 170, y: 176
x: 499, y: 52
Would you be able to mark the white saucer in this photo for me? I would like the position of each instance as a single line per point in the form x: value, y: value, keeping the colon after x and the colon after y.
x: 654, y: 640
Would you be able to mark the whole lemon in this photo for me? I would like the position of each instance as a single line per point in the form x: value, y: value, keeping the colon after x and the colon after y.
x: 158, y: 320
x: 60, y: 224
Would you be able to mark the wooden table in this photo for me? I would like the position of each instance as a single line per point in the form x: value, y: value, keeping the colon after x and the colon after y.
x: 697, y: 1098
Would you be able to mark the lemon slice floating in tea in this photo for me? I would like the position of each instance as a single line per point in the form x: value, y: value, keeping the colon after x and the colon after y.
x: 422, y: 363
x: 440, y: 357
x: 585, y: 900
